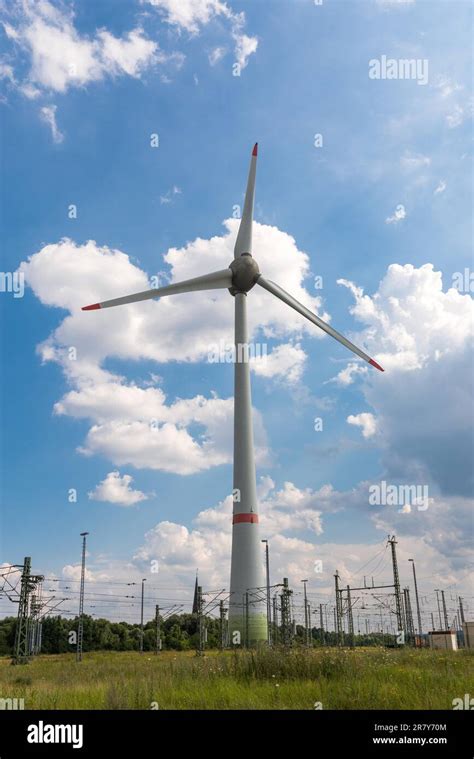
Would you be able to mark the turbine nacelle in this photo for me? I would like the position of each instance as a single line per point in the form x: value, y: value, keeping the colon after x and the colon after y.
x: 245, y: 273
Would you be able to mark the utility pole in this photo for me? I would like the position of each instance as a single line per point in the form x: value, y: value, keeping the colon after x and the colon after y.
x: 310, y: 629
x: 275, y: 619
x: 269, y: 608
x: 321, y: 623
x: 285, y: 613
x: 20, y: 649
x: 396, y: 583
x: 432, y: 621
x: 158, y: 630
x: 461, y: 610
x: 306, y: 636
x: 439, y: 609
x: 418, y: 613
x: 247, y: 609
x: 200, y: 625
x: 350, y: 619
x: 141, y: 615
x: 222, y: 624
x: 338, y: 612
x: 32, y: 626
x: 409, y: 614
x: 445, y: 614
x: 80, y: 624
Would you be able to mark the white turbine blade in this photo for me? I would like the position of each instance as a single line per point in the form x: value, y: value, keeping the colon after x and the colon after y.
x: 243, y: 243
x: 213, y: 281
x: 275, y: 289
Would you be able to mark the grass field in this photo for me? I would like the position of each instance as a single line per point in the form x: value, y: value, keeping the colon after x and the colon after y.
x: 270, y: 679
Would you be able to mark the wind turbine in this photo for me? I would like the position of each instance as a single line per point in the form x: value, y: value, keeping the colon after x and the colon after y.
x: 239, y: 278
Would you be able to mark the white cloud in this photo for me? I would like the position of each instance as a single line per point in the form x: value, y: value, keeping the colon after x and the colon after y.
x: 169, y: 195
x: 140, y: 426
x: 456, y: 117
x: 48, y: 115
x: 286, y: 362
x: 413, y: 161
x: 245, y: 46
x: 192, y: 15
x: 347, y: 375
x: 398, y: 215
x: 117, y: 489
x: 216, y: 55
x: 291, y: 518
x: 440, y: 187
x: 366, y: 421
x: 60, y: 57
x: 6, y: 72
x: 284, y: 514
x: 422, y: 336
x: 447, y: 86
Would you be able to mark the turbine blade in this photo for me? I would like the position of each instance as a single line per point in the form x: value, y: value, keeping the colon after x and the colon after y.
x: 243, y: 243
x: 214, y: 281
x: 275, y: 289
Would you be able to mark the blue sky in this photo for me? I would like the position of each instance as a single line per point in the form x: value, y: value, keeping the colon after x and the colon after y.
x: 85, y: 87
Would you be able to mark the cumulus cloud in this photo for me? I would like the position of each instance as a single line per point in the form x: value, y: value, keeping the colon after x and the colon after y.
x: 61, y: 57
x: 398, y: 215
x: 286, y: 362
x: 48, y: 115
x: 192, y: 15
x: 366, y: 421
x: 138, y: 425
x: 117, y: 489
x: 422, y: 335
x: 215, y: 55
x: 347, y: 375
x: 292, y: 518
x: 286, y: 514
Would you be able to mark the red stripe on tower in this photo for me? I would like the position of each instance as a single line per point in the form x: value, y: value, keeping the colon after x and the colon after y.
x: 248, y: 517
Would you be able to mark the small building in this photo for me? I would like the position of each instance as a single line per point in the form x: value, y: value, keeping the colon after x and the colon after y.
x: 468, y: 633
x: 443, y: 639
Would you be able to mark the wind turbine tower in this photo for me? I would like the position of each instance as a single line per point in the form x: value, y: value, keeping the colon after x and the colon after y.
x: 241, y: 275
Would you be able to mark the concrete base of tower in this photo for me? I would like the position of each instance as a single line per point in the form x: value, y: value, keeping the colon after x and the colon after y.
x: 256, y: 629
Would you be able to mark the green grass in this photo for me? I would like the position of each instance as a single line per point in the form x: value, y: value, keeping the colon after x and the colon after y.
x: 267, y: 679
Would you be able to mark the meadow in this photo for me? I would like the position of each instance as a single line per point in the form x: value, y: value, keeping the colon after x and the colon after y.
x: 361, y: 678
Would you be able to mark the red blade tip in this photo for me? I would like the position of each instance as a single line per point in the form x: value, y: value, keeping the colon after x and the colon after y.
x: 255, y: 148
x: 91, y: 308
x: 377, y: 366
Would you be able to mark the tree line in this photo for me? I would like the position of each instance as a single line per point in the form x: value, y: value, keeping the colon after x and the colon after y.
x: 179, y: 633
